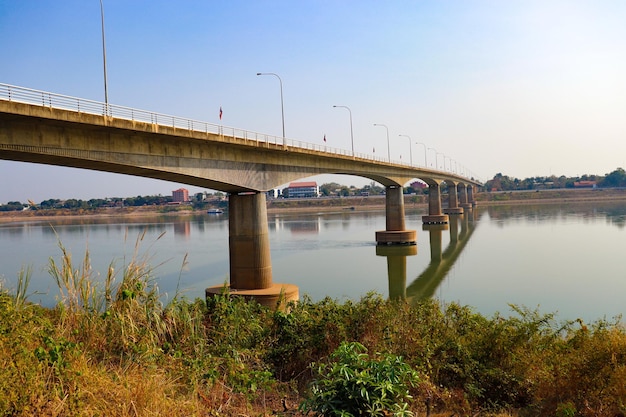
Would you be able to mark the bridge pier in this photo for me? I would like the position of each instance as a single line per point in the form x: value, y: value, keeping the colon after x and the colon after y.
x: 435, y: 216
x: 465, y: 202
x: 470, y: 195
x: 395, y: 234
x: 249, y: 249
x: 453, y: 201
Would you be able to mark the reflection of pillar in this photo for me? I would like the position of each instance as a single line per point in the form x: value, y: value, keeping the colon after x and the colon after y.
x: 434, y: 205
x: 249, y: 248
x: 395, y: 232
x: 396, y: 267
x: 435, y: 233
x: 453, y: 202
x: 454, y: 230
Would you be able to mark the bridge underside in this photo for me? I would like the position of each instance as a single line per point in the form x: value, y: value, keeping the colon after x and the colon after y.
x: 242, y: 167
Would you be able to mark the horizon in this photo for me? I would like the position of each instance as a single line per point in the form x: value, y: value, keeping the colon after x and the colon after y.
x: 334, y: 180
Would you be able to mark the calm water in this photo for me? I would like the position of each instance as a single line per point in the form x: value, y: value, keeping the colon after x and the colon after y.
x: 563, y: 259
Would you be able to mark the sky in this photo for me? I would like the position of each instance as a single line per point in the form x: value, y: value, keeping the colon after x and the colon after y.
x: 520, y: 87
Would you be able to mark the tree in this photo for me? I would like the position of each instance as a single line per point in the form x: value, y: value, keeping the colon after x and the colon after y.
x: 616, y: 178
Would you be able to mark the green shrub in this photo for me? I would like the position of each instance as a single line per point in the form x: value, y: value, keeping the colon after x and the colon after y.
x: 352, y: 384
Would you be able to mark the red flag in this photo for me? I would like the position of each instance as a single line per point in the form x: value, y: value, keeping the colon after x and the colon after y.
x: 220, y: 112
x: 324, y: 138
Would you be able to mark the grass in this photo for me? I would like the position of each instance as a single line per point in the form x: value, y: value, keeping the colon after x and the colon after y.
x: 118, y: 349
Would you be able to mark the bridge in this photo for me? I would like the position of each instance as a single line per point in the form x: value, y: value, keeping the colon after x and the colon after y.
x: 54, y: 129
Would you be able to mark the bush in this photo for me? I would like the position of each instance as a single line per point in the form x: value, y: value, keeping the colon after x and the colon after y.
x: 355, y: 385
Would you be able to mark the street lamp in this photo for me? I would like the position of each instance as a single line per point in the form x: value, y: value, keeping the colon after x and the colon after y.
x: 410, y: 148
x: 351, y: 134
x: 425, y: 154
x: 388, y: 149
x: 104, y: 59
x: 444, y: 159
x: 282, y: 107
x: 436, y: 162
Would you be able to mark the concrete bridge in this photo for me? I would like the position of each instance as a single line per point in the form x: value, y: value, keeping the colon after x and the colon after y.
x: 47, y: 128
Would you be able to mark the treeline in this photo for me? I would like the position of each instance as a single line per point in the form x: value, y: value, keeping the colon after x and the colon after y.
x: 96, y: 203
x: 501, y: 182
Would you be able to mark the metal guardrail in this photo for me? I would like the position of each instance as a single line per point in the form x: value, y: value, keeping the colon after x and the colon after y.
x: 81, y: 105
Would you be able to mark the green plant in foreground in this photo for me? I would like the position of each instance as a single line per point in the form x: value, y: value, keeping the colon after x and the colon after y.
x: 353, y: 384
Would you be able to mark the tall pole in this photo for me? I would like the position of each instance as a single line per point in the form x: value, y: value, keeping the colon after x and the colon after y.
x: 104, y: 59
x: 444, y: 159
x: 410, y: 148
x: 388, y: 148
x: 351, y: 134
x: 282, y: 106
x: 436, y: 161
x: 425, y: 153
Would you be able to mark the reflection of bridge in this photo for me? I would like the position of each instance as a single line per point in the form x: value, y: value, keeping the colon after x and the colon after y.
x: 48, y: 128
x: 425, y: 285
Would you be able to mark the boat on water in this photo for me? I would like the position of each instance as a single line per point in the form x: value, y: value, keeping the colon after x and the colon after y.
x: 215, y: 211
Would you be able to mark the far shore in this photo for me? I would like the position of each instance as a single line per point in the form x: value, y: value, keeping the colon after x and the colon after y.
x: 371, y: 203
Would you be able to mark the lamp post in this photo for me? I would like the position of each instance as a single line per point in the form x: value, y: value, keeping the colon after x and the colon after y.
x: 425, y: 154
x: 351, y: 134
x: 282, y: 107
x: 388, y: 149
x: 410, y: 148
x: 444, y: 160
x: 436, y: 162
x: 104, y: 59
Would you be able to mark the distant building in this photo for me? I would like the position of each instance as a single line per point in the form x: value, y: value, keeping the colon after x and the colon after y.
x: 273, y: 193
x: 303, y: 189
x: 180, y: 196
x: 418, y: 185
x: 588, y: 184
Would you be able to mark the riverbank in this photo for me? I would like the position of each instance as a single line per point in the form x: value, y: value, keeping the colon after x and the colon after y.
x: 327, y: 204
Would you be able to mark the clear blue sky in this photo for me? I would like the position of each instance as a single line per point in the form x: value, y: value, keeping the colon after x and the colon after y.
x: 522, y: 87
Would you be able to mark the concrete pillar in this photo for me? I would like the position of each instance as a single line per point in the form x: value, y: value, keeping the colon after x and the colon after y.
x: 248, y: 242
x: 470, y: 195
x: 249, y: 248
x: 453, y: 202
x: 394, y: 208
x: 395, y: 232
x: 464, y: 200
x: 434, y: 206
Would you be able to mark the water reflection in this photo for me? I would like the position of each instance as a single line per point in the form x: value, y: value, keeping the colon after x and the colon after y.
x: 613, y: 212
x: 441, y: 261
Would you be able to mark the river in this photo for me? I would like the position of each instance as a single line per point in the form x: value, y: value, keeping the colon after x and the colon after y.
x: 563, y: 259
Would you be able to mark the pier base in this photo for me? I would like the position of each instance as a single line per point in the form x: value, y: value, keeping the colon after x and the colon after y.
x: 435, y: 219
x: 453, y: 210
x: 277, y: 296
x: 396, y: 237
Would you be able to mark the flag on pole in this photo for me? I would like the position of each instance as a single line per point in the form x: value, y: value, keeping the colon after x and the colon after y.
x: 324, y: 138
x: 220, y: 112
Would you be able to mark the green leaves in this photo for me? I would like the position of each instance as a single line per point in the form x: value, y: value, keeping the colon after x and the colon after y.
x: 353, y: 384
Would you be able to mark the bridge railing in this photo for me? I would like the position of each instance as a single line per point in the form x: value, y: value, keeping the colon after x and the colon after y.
x: 81, y: 105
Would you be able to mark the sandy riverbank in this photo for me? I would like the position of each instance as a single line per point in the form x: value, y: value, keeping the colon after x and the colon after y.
x: 371, y: 203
